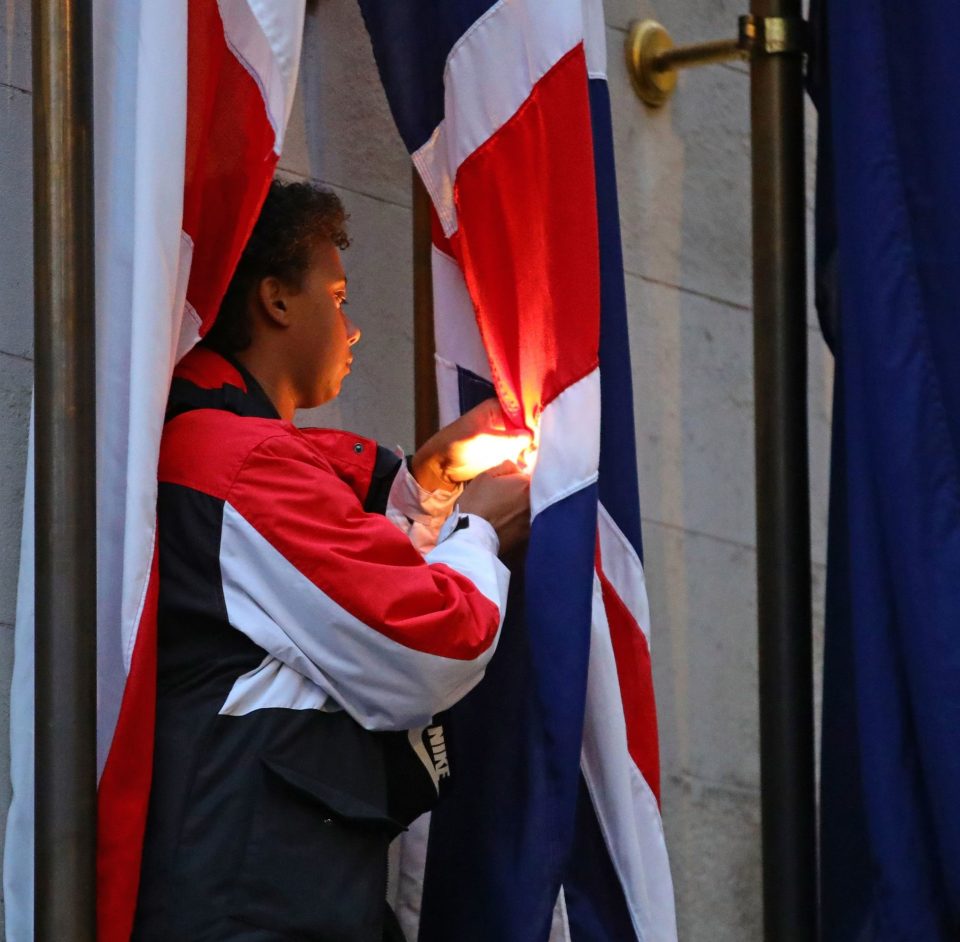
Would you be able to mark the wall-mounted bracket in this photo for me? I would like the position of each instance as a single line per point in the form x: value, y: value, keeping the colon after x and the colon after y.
x: 653, y: 61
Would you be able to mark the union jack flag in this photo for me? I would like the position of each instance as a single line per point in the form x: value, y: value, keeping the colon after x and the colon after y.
x: 551, y: 827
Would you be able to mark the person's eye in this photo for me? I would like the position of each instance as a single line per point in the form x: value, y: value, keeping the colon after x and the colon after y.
x: 341, y: 300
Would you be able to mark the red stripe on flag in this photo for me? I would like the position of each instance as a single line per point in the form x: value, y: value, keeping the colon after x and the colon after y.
x: 528, y: 242
x: 124, y: 791
x: 635, y: 674
x: 230, y: 159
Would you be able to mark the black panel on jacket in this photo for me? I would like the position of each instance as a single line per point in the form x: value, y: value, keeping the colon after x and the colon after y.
x: 384, y: 471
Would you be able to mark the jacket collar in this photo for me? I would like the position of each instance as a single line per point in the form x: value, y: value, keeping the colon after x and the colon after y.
x: 206, y: 379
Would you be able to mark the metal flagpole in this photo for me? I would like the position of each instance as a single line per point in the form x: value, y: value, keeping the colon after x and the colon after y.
x: 65, y: 563
x: 772, y: 38
x: 787, y: 789
x: 424, y: 346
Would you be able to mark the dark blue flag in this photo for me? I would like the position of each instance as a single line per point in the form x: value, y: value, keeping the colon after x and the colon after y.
x: 888, y: 249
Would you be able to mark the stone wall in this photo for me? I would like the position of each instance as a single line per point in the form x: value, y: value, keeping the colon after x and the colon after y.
x: 683, y: 177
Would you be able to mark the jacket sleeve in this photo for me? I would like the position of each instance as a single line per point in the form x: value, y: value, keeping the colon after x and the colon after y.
x: 343, y: 598
x: 418, y: 512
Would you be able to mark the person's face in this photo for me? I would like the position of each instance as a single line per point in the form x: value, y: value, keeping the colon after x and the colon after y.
x: 320, y: 334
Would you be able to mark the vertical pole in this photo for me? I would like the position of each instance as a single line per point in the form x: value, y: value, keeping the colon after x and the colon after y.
x: 425, y: 373
x: 65, y: 567
x: 783, y: 513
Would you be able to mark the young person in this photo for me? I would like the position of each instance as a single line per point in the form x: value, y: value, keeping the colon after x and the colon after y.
x: 320, y: 601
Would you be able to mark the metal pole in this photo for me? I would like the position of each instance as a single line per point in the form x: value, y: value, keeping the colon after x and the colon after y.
x: 65, y: 564
x: 708, y: 53
x: 425, y: 373
x: 783, y: 513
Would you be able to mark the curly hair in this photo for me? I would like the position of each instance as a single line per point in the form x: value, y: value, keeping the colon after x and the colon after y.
x: 294, y: 217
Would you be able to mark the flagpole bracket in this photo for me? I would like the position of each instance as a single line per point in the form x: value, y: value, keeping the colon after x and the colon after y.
x: 653, y: 61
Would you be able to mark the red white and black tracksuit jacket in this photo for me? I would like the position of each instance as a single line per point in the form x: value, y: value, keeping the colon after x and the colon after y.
x: 303, y: 645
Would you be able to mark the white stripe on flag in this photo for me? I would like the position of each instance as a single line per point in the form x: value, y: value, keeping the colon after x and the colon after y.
x: 490, y: 72
x: 560, y: 927
x: 623, y: 568
x: 448, y: 391
x: 18, y: 843
x: 569, y: 444
x: 140, y: 101
x: 594, y: 39
x: 190, y: 322
x: 625, y: 806
x: 457, y: 334
x: 266, y: 37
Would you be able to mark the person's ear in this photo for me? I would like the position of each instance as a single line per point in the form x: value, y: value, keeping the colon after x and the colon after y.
x: 272, y: 295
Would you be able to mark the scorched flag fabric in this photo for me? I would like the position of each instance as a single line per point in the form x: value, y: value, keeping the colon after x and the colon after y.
x: 551, y: 826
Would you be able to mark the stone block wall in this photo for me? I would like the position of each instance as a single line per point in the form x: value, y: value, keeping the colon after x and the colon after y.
x: 684, y: 183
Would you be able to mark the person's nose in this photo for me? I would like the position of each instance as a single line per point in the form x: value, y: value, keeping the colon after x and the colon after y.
x: 353, y: 332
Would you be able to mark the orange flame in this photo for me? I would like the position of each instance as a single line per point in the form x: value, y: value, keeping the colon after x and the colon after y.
x: 488, y: 450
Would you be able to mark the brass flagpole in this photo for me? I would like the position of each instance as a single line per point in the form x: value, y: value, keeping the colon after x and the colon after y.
x: 425, y: 373
x: 65, y: 562
x: 787, y: 788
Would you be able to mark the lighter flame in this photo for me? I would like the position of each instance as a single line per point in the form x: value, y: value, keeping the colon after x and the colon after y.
x: 486, y: 451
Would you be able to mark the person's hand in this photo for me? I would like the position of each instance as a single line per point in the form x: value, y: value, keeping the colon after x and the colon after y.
x: 502, y: 497
x: 476, y: 442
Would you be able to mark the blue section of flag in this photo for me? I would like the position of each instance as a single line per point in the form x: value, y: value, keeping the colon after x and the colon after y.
x: 618, y: 449
x: 473, y: 389
x: 502, y: 834
x: 411, y: 42
x: 891, y: 747
x: 596, y: 907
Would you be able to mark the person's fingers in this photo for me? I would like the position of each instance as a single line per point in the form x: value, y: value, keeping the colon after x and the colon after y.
x: 492, y: 413
x: 489, y: 416
x: 504, y: 468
